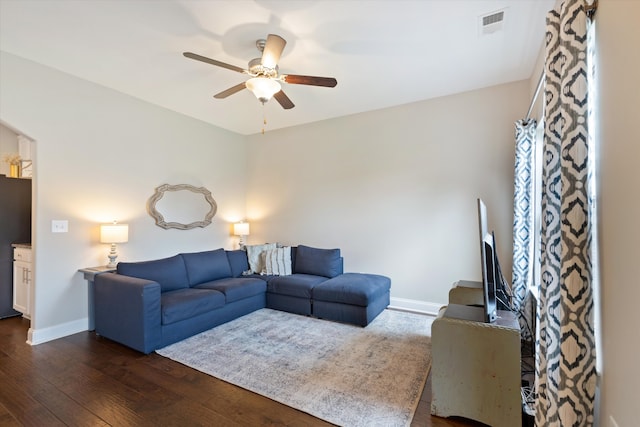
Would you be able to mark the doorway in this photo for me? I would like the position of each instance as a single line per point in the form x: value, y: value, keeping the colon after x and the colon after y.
x: 17, y: 272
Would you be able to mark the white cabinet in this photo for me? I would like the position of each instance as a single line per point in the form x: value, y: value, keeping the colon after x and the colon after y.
x: 22, y: 280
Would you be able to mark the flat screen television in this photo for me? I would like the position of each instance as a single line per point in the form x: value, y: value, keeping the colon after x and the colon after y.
x: 487, y: 259
x: 503, y: 289
x: 495, y: 290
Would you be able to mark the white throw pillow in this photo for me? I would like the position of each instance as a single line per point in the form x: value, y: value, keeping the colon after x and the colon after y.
x: 256, y: 264
x: 278, y: 261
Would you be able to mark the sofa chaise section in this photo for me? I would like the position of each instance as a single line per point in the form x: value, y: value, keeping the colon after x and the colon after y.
x: 318, y: 287
x: 355, y: 298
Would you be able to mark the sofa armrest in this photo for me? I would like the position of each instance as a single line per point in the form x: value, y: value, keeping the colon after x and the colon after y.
x: 127, y: 310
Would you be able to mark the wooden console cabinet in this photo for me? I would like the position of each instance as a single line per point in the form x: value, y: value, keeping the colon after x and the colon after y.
x: 476, y: 369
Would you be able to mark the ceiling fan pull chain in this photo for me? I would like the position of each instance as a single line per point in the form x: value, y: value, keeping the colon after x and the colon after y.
x: 264, y: 118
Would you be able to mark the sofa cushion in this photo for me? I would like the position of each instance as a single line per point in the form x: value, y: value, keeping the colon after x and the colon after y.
x: 318, y: 262
x: 352, y: 288
x: 238, y: 262
x: 277, y: 261
x: 236, y: 288
x: 206, y: 266
x: 184, y: 304
x: 297, y: 285
x: 256, y: 263
x: 170, y: 273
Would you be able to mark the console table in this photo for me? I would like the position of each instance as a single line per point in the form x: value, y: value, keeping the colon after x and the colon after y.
x: 476, y: 368
x: 89, y: 275
x: 467, y: 292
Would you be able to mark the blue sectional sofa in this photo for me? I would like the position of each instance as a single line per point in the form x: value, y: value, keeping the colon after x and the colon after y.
x: 151, y: 304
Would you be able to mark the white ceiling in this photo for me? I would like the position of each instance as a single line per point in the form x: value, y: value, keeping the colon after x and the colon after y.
x: 382, y: 52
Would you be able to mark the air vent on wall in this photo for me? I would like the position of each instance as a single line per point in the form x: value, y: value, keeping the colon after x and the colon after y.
x: 492, y: 22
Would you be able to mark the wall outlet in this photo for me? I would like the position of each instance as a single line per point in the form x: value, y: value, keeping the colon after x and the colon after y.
x: 59, y: 226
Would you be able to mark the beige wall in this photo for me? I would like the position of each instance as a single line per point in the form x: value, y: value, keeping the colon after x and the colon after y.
x: 99, y: 155
x: 618, y: 68
x: 395, y: 189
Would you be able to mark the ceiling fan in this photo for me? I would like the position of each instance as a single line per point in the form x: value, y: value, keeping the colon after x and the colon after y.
x: 265, y: 79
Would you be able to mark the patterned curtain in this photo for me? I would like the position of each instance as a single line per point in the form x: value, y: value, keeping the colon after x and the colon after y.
x: 523, y: 198
x: 523, y: 223
x: 566, y: 359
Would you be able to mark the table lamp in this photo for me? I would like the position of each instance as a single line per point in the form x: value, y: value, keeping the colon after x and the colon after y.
x: 241, y: 229
x: 114, y: 233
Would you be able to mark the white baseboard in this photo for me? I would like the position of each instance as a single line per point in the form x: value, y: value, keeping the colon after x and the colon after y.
x: 417, y: 306
x: 39, y: 336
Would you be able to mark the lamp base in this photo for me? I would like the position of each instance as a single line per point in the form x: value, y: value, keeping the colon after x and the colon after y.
x: 112, y: 257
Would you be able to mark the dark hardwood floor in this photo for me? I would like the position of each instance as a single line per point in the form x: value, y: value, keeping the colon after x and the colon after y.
x: 87, y: 380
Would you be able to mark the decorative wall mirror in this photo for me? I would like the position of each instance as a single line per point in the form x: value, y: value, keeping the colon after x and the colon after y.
x: 183, y: 205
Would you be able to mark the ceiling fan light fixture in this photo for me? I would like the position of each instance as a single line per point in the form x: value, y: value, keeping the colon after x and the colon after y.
x: 263, y: 88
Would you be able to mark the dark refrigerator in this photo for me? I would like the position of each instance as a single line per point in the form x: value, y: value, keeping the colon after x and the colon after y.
x: 15, y: 227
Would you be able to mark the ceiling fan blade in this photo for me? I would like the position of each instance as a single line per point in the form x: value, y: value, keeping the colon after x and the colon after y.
x: 230, y: 91
x: 309, y: 80
x: 283, y: 100
x: 272, y: 50
x: 213, y: 62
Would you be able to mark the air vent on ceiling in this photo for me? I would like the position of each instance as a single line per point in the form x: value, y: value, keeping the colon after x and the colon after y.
x: 492, y: 22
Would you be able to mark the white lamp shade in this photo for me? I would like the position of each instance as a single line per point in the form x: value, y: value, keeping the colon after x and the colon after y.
x: 241, y: 229
x: 114, y: 233
x: 263, y: 88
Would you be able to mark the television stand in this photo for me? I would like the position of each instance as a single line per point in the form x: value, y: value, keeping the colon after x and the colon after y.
x: 476, y: 368
x: 466, y: 292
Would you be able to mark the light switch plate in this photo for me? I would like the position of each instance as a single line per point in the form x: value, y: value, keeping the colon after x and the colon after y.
x: 59, y: 226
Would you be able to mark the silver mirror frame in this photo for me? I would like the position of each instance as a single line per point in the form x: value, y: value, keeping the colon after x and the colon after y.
x: 160, y: 221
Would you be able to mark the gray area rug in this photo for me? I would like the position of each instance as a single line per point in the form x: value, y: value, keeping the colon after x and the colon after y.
x: 347, y: 375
